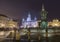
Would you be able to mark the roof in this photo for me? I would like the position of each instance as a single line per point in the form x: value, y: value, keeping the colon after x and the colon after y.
x: 3, y: 15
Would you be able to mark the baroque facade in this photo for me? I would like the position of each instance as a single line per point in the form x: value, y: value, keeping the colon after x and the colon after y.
x: 27, y: 23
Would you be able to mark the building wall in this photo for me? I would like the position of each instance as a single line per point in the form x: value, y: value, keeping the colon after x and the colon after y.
x: 6, y: 22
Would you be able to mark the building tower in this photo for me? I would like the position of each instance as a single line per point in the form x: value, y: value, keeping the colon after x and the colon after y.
x: 29, y: 17
x: 43, y: 18
x: 44, y: 22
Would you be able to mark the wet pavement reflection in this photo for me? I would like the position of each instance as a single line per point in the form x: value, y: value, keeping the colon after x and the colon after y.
x: 55, y: 38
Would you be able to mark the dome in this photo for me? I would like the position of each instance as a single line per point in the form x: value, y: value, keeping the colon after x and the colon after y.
x: 3, y: 15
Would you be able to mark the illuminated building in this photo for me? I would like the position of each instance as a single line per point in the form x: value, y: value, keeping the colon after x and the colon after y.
x: 3, y: 21
x: 29, y: 22
x: 12, y: 24
x: 7, y: 25
x: 54, y: 23
x: 6, y: 22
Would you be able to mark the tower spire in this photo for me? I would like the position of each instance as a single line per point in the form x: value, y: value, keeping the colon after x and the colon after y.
x: 43, y: 13
x: 43, y: 7
x: 29, y: 17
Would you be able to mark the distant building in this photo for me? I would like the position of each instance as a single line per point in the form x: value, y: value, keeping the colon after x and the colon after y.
x: 29, y: 22
x: 54, y: 23
x: 6, y: 22
x: 3, y: 20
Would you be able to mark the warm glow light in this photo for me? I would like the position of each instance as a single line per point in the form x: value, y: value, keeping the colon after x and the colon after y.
x: 12, y: 31
x: 54, y: 23
x: 2, y: 25
x: 12, y: 26
x: 49, y: 35
x: 2, y: 33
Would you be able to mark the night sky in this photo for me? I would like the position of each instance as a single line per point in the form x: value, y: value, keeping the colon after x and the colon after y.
x: 19, y: 8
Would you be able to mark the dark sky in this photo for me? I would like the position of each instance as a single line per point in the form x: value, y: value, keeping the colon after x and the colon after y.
x: 19, y: 8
